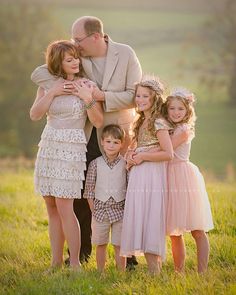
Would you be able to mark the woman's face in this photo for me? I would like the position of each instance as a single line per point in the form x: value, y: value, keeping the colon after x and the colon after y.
x: 70, y: 64
x: 176, y: 110
x: 144, y: 99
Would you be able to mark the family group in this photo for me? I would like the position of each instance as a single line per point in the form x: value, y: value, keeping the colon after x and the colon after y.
x: 113, y: 159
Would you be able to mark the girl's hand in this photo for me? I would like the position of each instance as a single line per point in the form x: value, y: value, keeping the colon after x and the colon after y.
x: 129, y: 158
x: 138, y: 158
x: 180, y: 137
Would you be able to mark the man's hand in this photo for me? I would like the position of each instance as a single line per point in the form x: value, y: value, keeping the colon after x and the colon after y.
x: 98, y: 94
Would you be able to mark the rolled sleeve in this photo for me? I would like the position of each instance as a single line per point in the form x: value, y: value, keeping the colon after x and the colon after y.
x: 89, y: 191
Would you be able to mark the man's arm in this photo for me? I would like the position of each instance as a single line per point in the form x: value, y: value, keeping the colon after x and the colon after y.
x: 123, y: 99
x: 113, y: 100
x: 42, y: 77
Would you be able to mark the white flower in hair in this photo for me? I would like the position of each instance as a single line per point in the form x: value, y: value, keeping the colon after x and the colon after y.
x: 184, y: 93
x: 152, y: 82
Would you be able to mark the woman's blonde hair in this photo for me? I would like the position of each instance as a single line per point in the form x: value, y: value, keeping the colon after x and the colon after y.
x: 156, y: 89
x: 55, y: 54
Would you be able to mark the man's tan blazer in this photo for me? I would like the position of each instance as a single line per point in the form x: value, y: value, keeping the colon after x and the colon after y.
x: 122, y: 71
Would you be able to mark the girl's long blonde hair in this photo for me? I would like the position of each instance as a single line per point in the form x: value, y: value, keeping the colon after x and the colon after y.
x: 157, y: 90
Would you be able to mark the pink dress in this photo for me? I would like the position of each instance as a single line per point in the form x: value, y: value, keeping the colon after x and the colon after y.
x: 188, y: 207
x: 144, y: 215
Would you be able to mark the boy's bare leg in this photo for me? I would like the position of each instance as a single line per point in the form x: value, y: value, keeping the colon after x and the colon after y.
x: 101, y: 257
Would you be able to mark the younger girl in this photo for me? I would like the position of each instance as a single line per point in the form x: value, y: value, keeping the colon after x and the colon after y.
x: 60, y: 164
x: 188, y: 207
x: 144, y: 220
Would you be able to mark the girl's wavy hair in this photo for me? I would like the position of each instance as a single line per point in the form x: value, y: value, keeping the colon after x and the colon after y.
x: 188, y: 99
x: 156, y: 88
x: 55, y: 54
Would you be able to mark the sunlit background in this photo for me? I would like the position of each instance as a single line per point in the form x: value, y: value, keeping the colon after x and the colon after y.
x: 188, y: 43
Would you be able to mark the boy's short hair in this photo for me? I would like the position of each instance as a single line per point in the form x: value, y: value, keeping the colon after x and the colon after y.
x: 114, y: 130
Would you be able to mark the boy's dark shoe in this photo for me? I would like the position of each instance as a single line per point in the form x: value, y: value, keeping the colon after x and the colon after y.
x: 131, y: 263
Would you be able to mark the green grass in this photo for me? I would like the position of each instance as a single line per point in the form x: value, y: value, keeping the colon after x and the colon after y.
x: 25, y: 251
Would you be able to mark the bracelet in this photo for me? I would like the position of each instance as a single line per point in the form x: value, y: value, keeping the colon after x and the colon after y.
x: 90, y: 104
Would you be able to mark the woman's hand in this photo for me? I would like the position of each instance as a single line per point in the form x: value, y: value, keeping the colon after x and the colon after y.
x: 98, y: 94
x: 62, y: 87
x: 44, y: 99
x: 83, y: 90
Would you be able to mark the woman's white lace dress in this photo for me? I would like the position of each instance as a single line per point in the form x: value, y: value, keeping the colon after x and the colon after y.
x: 61, y: 158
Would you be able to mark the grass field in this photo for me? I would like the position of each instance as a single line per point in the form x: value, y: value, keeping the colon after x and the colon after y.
x: 25, y: 251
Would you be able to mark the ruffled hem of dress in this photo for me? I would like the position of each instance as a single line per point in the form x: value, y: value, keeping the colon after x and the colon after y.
x: 141, y: 252
x: 64, y: 135
x: 63, y: 169
x: 187, y: 229
x: 61, y: 154
x: 58, y: 192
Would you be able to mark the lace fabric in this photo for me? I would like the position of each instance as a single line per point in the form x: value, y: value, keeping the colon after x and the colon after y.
x: 61, y: 158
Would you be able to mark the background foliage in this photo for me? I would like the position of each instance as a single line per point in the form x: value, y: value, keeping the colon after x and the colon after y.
x: 186, y: 43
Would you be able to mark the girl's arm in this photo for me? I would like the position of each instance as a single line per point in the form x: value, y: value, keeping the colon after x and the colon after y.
x: 94, y: 108
x: 165, y: 154
x: 179, y: 138
x: 44, y: 99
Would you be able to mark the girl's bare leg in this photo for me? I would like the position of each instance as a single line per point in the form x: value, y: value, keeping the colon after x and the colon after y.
x: 203, y: 249
x: 153, y: 262
x: 120, y: 260
x: 178, y: 252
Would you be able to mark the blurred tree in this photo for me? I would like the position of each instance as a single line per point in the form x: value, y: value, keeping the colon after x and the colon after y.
x: 220, y: 70
x: 25, y: 31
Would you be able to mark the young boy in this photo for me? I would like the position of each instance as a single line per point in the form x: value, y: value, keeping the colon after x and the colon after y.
x: 105, y: 189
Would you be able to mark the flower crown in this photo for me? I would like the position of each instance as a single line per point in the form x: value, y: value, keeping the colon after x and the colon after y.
x: 184, y: 93
x: 154, y: 83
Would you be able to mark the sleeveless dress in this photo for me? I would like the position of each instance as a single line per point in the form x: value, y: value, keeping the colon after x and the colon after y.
x: 61, y: 158
x: 188, y: 207
x: 143, y: 228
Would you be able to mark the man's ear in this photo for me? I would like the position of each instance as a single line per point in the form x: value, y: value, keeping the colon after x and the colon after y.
x: 96, y: 35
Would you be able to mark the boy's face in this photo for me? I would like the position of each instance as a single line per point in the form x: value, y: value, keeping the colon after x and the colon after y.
x: 111, y: 146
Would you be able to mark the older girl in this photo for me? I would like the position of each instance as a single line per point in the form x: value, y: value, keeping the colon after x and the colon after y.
x: 143, y: 230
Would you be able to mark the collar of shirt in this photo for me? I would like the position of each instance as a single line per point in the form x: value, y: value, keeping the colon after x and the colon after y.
x: 114, y: 162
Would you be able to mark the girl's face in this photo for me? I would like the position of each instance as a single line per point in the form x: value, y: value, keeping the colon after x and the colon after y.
x: 70, y: 64
x: 144, y: 99
x: 176, y: 111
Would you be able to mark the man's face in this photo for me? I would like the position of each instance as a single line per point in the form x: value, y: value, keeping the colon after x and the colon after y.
x: 84, y: 42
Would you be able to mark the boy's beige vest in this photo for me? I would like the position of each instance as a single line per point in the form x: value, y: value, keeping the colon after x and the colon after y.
x: 110, y: 182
